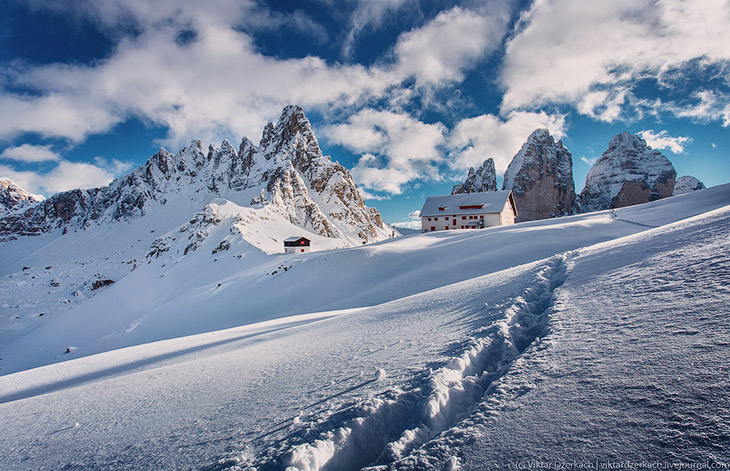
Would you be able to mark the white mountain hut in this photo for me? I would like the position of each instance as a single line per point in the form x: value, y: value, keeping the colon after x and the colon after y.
x: 468, y: 211
x: 296, y: 245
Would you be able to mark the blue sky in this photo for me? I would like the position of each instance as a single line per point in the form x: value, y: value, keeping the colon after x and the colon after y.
x: 406, y: 94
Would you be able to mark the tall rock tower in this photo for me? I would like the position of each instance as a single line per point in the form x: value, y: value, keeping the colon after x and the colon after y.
x: 629, y: 172
x: 541, y: 178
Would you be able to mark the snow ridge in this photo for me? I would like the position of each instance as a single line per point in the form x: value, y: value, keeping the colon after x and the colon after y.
x: 387, y: 428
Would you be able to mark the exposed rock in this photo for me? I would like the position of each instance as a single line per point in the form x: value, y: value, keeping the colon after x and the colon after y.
x: 287, y: 171
x: 629, y: 172
x: 13, y: 197
x: 101, y: 283
x: 687, y: 184
x: 541, y: 178
x: 480, y: 180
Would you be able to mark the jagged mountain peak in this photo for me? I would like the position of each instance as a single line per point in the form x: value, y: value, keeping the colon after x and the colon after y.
x: 480, y: 180
x: 292, y: 131
x: 287, y: 171
x: 13, y: 197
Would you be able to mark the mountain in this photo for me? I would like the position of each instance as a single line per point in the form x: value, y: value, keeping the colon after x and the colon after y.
x: 286, y: 173
x: 686, y: 184
x: 13, y: 197
x: 629, y: 172
x: 480, y: 180
x: 541, y: 178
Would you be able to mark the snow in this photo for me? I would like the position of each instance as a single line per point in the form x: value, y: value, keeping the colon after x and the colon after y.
x: 599, y: 336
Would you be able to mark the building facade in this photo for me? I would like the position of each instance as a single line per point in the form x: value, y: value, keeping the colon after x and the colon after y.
x: 468, y: 211
x: 296, y: 245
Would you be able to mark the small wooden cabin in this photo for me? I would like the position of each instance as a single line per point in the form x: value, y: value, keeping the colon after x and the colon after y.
x: 468, y: 211
x: 296, y: 245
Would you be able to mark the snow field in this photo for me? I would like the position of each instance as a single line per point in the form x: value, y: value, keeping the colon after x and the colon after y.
x: 494, y: 349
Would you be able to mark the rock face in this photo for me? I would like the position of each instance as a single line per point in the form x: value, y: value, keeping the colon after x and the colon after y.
x: 541, y: 178
x: 480, y: 180
x: 629, y: 172
x: 286, y: 172
x: 13, y: 197
x: 687, y: 184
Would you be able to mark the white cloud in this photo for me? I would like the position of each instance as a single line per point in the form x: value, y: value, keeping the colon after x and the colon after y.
x: 217, y: 84
x: 590, y: 161
x: 439, y: 51
x: 366, y: 195
x: 474, y: 140
x: 67, y: 176
x: 415, y: 225
x: 413, y: 221
x: 662, y: 140
x: 590, y: 54
x: 30, y: 153
x: 368, y: 13
x: 712, y: 106
x: 396, y: 147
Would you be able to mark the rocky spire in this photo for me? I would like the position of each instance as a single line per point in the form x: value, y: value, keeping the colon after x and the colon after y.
x: 687, y: 184
x: 541, y: 178
x: 629, y: 172
x: 482, y: 179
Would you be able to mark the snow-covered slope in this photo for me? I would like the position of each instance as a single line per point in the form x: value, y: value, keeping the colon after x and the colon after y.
x: 468, y: 349
x: 13, y: 197
x: 480, y: 180
x: 541, y: 178
x: 629, y: 172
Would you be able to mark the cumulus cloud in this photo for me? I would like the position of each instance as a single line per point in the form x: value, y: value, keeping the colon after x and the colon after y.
x: 662, y: 140
x: 30, y: 153
x: 396, y: 148
x: 474, y: 140
x: 594, y: 63
x: 441, y: 50
x: 215, y: 83
x: 67, y: 175
x: 412, y: 222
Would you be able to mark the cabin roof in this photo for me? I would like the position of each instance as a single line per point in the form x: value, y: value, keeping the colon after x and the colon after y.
x: 294, y: 239
x: 467, y: 203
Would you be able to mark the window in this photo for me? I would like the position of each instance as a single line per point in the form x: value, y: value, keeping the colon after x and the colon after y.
x: 429, y: 219
x: 435, y: 219
x: 434, y: 228
x: 472, y: 206
x: 447, y: 228
x: 302, y: 250
x: 442, y: 208
x: 481, y: 217
x: 463, y: 217
x: 462, y: 227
